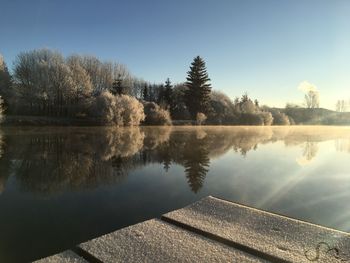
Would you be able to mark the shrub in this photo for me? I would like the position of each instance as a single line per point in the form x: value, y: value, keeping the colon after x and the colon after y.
x: 280, y: 119
x: 267, y: 118
x: 132, y: 111
x: 118, y: 110
x: 200, y: 118
x: 156, y: 115
x: 105, y: 109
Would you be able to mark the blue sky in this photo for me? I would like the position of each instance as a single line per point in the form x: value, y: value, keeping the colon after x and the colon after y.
x: 263, y: 47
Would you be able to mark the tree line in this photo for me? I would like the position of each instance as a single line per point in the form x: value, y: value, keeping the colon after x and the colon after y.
x: 45, y: 83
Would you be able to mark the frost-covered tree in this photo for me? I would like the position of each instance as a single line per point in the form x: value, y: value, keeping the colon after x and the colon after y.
x: 132, y: 111
x: 199, y: 88
x: 223, y: 109
x: 312, y: 99
x: 106, y: 110
x: 155, y: 115
x: 201, y: 118
x: 118, y: 110
x: 41, y: 77
x: 247, y: 105
x: 341, y: 106
x: 280, y: 118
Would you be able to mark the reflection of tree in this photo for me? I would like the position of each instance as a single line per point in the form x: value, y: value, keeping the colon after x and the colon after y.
x: 156, y: 136
x: 121, y: 142
x: 342, y: 145
x: 48, y: 160
x: 75, y: 158
x: 240, y: 139
x: 196, y: 162
x: 1, y: 144
x: 310, y: 150
x: 4, y: 173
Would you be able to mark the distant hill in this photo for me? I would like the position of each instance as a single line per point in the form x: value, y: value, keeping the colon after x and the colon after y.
x: 316, y: 116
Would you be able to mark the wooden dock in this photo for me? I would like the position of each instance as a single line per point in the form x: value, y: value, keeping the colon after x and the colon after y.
x: 215, y: 230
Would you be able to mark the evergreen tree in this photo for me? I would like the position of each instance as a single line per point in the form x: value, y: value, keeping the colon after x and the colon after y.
x: 161, y: 95
x: 168, y: 93
x: 256, y: 102
x: 198, y: 93
x: 5, y: 82
x: 145, y: 95
x: 117, y: 86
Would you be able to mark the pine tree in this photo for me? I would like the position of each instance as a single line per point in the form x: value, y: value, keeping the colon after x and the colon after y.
x: 117, y: 86
x: 161, y: 95
x: 198, y: 93
x: 168, y: 93
x: 5, y: 82
x: 145, y: 93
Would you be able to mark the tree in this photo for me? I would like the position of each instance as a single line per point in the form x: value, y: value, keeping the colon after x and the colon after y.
x: 201, y: 118
x: 145, y: 92
x: 198, y: 93
x: 256, y: 102
x: 178, y: 107
x: 161, y: 97
x: 168, y: 92
x: 118, y: 110
x: 312, y: 99
x: 155, y: 115
x: 5, y: 81
x: 223, y: 109
x: 341, y: 106
x: 117, y: 86
x: 280, y: 118
x: 1, y: 112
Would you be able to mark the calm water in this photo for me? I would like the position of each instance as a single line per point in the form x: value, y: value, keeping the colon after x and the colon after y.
x: 62, y: 186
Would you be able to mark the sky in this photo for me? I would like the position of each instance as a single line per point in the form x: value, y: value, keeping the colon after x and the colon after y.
x: 265, y: 48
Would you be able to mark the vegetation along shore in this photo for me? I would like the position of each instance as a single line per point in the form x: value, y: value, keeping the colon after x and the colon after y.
x: 46, y: 88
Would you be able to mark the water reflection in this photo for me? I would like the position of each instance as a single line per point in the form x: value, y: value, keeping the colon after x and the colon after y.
x: 49, y: 160
x: 63, y: 186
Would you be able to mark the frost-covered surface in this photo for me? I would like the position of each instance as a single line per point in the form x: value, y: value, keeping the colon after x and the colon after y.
x: 282, y: 237
x: 64, y: 257
x: 157, y: 241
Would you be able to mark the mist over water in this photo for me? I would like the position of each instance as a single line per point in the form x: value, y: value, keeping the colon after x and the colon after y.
x: 63, y: 186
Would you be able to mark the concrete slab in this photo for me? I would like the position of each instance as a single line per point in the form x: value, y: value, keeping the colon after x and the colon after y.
x: 255, y: 230
x: 67, y: 256
x: 157, y: 241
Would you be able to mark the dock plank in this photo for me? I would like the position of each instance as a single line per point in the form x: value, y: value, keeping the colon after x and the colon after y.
x: 285, y: 238
x: 157, y: 241
x: 67, y: 256
x: 215, y: 230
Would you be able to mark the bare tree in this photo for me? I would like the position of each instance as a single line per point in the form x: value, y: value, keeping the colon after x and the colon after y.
x: 312, y: 99
x: 341, y: 106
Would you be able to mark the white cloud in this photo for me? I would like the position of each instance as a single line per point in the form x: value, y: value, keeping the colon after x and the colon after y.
x: 306, y: 86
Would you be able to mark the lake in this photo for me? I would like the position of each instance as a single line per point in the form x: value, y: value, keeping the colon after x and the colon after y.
x: 63, y: 186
